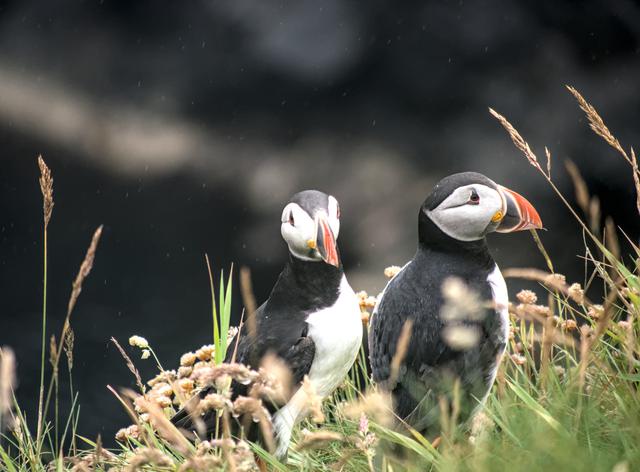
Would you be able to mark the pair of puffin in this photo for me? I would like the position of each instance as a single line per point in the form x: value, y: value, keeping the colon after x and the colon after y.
x: 312, y: 321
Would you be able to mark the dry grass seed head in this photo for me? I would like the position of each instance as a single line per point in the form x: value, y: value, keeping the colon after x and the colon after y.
x: 7, y: 382
x: 203, y: 463
x: 611, y: 241
x: 518, y: 140
x: 527, y: 297
x: 314, y: 402
x: 85, y: 269
x: 148, y: 456
x: 213, y: 401
x: 163, y: 426
x: 318, y: 439
x: 274, y: 381
x: 68, y: 347
x: 401, y: 351
x: 375, y: 404
x: 46, y: 187
x: 53, y: 351
x: 580, y: 186
x: 130, y: 365
x: 576, y: 293
x: 596, y: 122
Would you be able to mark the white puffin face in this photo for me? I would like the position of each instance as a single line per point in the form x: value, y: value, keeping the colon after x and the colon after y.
x: 303, y: 232
x: 469, y: 212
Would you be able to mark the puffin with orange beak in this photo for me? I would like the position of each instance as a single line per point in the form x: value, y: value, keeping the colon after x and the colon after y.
x: 458, y: 334
x: 311, y: 320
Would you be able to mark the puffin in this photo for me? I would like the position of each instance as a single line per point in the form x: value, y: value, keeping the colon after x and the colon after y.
x: 453, y: 223
x: 311, y: 320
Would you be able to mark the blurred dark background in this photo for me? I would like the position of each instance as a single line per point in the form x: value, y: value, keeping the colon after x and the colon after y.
x: 183, y: 127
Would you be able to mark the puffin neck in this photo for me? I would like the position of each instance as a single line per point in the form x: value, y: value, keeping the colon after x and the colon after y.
x: 307, y: 285
x: 432, y: 238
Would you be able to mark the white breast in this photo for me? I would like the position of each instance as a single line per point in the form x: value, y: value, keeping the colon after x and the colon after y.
x: 500, y: 298
x: 501, y: 301
x: 337, y: 334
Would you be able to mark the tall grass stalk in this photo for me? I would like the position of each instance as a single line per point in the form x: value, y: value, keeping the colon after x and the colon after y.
x: 46, y: 187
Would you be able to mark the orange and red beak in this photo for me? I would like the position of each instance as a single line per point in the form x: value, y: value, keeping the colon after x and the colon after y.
x: 518, y: 214
x: 326, y: 241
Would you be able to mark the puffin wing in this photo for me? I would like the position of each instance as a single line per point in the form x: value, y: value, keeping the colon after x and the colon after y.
x: 299, y: 358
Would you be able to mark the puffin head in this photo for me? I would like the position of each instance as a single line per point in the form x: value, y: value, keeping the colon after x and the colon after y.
x: 310, y: 226
x: 468, y: 206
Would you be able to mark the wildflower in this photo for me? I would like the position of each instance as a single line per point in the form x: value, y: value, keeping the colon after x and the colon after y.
x: 569, y: 325
x: 163, y: 389
x: 139, y: 341
x: 186, y: 384
x: 231, y: 333
x: 365, y: 316
x: 625, y: 325
x: 391, y: 271
x: 145, y: 456
x: 188, y: 359
x: 363, y: 425
x: 518, y: 359
x: 595, y: 311
x: 184, y: 371
x: 163, y: 401
x: 527, y: 297
x: 166, y: 376
x: 206, y: 353
x: 130, y: 432
x: 146, y: 353
x: 576, y: 293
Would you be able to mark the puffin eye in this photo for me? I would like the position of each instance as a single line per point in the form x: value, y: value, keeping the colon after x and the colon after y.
x: 474, y: 198
x: 337, y: 211
x: 291, y: 220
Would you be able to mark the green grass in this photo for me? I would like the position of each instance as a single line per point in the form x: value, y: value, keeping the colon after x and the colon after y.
x: 566, y: 395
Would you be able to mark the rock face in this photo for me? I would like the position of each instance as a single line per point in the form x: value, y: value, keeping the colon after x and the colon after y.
x: 184, y: 128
